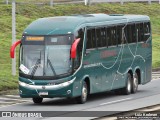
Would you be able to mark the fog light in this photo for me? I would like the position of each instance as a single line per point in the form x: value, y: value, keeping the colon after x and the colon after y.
x: 20, y: 91
x: 68, y: 91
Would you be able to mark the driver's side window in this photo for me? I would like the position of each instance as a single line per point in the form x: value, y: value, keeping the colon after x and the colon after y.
x: 79, y: 34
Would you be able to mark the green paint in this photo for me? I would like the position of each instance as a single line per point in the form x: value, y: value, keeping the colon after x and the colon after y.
x: 105, y: 72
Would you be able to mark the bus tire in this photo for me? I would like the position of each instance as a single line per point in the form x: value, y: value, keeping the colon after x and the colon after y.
x: 134, y: 84
x: 84, y: 94
x: 37, y: 100
x: 127, y: 89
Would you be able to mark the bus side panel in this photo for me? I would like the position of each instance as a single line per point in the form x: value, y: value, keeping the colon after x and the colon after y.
x: 110, y: 60
x: 147, y: 51
x: 125, y: 63
x: 91, y: 67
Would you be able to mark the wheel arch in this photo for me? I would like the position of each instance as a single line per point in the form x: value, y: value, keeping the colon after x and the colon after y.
x: 130, y: 72
x: 138, y: 71
x: 87, y: 80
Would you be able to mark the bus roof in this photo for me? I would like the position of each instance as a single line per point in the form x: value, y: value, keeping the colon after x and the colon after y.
x: 68, y: 24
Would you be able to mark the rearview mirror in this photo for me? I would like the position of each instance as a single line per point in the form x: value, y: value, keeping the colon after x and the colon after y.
x: 74, y: 48
x: 12, y: 49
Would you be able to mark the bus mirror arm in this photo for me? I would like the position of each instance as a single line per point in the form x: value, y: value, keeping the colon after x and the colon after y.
x: 12, y: 49
x: 74, y: 48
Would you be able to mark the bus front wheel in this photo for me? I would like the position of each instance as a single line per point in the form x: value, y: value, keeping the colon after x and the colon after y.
x: 37, y: 100
x: 84, y: 93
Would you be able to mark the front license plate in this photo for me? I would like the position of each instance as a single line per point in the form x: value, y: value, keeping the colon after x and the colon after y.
x: 43, y: 93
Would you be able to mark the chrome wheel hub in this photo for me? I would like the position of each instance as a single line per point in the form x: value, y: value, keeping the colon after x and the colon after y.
x: 84, y: 93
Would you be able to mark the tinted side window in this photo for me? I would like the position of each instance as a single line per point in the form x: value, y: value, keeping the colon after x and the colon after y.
x: 91, y: 40
x: 126, y: 32
x: 114, y: 36
x: 111, y: 36
x: 98, y: 37
x: 80, y: 34
x: 103, y: 37
x: 130, y: 35
x: 119, y: 34
x: 138, y: 32
x: 141, y: 32
x: 133, y: 29
x: 139, y: 28
x: 146, y: 31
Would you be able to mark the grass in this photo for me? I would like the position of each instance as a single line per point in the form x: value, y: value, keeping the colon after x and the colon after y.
x: 156, y: 51
x: 36, y: 1
x: 25, y: 14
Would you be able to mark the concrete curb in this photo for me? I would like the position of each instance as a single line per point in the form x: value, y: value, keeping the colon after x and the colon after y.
x: 155, y: 69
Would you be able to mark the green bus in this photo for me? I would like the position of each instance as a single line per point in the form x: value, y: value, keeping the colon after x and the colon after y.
x: 74, y: 56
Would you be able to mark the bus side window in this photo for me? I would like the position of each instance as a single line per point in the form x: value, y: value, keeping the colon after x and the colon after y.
x: 91, y: 41
x: 106, y: 37
x: 141, y: 32
x: 138, y: 32
x: 133, y: 28
x: 98, y: 37
x: 109, y: 36
x: 114, y: 38
x: 130, y: 35
x: 80, y: 34
x: 126, y: 39
x: 103, y: 37
x: 146, y: 31
x: 119, y: 34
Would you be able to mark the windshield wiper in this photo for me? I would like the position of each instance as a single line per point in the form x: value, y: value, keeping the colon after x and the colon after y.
x: 36, y: 66
x: 50, y: 64
x: 52, y: 68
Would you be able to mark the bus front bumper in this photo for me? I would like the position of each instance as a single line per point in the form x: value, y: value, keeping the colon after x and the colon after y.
x: 46, y: 91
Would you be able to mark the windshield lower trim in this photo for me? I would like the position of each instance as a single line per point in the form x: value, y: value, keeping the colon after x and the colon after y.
x: 44, y: 77
x: 47, y: 87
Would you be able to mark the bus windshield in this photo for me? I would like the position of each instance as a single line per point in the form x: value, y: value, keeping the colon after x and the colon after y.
x: 51, y: 58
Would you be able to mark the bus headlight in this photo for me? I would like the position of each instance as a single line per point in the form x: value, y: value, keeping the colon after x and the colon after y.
x: 68, y: 82
x: 22, y: 84
x: 46, y: 87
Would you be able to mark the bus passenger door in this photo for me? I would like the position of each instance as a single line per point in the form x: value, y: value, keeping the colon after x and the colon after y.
x: 92, y: 68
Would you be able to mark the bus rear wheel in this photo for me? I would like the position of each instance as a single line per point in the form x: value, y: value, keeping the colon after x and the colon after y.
x: 127, y: 89
x: 37, y: 100
x: 84, y: 94
x: 135, y: 84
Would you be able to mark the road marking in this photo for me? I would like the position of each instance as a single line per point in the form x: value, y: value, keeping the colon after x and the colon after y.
x: 13, y: 96
x: 12, y: 99
x: 155, y: 79
x: 116, y: 101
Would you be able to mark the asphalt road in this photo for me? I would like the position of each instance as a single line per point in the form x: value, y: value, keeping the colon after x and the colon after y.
x: 147, y: 95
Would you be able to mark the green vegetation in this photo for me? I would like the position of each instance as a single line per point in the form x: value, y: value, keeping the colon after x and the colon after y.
x: 25, y: 14
x: 36, y: 1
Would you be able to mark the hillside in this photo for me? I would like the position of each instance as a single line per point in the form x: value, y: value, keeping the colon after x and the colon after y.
x: 25, y: 14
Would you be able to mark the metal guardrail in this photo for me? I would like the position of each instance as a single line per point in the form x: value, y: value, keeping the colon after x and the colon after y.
x: 123, y: 1
x: 86, y: 2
